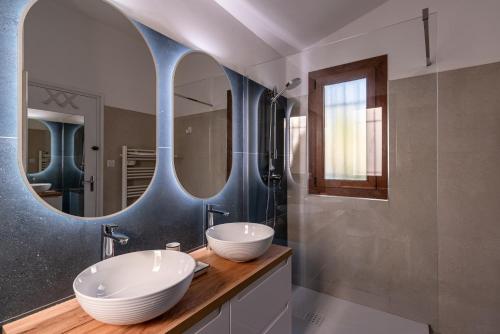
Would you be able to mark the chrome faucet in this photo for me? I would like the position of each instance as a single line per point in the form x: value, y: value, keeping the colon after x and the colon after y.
x: 210, y: 214
x: 210, y: 217
x: 108, y: 238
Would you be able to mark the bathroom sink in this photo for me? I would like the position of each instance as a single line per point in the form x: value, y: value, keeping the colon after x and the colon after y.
x: 135, y: 287
x: 41, y: 187
x: 240, y: 242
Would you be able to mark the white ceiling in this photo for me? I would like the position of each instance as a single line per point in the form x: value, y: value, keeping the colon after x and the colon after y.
x: 202, y: 25
x: 103, y: 13
x: 297, y: 24
x: 243, y: 33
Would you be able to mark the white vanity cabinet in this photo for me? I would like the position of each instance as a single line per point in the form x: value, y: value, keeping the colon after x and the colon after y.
x: 217, y: 322
x: 258, y: 307
x: 261, y: 308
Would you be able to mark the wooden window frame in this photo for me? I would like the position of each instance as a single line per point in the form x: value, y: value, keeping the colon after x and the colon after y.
x: 375, y: 71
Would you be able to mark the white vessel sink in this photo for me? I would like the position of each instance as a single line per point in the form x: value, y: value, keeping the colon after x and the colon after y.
x: 41, y: 187
x: 240, y: 242
x: 134, y: 287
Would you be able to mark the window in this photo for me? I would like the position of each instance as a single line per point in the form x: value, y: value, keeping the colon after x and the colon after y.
x: 348, y: 129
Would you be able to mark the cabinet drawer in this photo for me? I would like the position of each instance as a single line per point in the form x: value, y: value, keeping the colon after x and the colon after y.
x: 282, y: 325
x: 260, y: 304
x: 216, y: 322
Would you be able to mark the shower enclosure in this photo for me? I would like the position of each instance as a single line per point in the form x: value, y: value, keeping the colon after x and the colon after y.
x: 377, y: 253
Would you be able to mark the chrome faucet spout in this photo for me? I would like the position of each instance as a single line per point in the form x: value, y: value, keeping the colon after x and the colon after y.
x: 119, y: 237
x: 219, y: 212
x: 211, y: 210
x: 108, y: 238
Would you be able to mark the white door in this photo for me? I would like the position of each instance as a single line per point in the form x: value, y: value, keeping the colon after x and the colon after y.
x: 44, y: 97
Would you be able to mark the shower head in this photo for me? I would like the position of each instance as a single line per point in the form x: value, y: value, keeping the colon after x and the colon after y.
x: 289, y: 85
x: 293, y: 83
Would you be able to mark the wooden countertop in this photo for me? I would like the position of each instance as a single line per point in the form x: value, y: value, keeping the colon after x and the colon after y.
x: 50, y: 193
x: 207, y: 292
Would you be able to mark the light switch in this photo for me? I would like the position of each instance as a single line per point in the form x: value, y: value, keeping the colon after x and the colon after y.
x: 110, y: 163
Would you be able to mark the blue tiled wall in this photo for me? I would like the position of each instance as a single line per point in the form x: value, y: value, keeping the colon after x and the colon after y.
x: 62, y: 172
x: 41, y: 251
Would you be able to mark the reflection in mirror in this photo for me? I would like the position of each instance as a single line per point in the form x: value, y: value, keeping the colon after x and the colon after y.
x: 78, y: 145
x: 91, y: 83
x: 202, y: 125
x: 38, y: 145
x: 297, y: 143
x: 62, y: 176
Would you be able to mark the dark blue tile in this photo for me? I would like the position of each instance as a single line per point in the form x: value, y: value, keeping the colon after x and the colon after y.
x: 280, y: 231
x: 258, y: 191
x: 239, y: 110
x: 42, y: 250
x: 256, y: 104
x: 10, y: 14
x: 167, y: 54
x: 233, y: 197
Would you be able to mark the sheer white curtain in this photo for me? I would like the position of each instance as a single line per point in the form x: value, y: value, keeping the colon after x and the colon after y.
x: 353, y: 133
x: 374, y: 141
x: 345, y: 130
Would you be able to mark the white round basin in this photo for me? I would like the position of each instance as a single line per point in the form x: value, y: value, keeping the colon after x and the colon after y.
x: 41, y: 187
x: 135, y: 287
x: 240, y: 242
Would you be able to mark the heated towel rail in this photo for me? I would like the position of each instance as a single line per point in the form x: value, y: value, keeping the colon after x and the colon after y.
x: 138, y: 167
x: 43, y: 160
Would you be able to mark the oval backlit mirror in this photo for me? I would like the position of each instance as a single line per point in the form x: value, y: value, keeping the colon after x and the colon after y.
x: 91, y: 80
x: 202, y: 125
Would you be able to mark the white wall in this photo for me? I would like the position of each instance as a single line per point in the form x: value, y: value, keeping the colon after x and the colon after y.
x: 404, y: 43
x: 67, y: 48
x: 200, y: 77
x: 211, y: 90
x: 462, y: 34
x: 467, y: 30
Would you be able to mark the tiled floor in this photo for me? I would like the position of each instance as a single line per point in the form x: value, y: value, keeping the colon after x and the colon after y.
x: 317, y: 313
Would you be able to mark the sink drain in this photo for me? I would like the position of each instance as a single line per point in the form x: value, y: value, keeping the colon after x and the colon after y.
x: 311, y: 318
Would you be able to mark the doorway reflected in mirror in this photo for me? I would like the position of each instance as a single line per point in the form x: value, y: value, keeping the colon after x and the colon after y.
x: 86, y: 61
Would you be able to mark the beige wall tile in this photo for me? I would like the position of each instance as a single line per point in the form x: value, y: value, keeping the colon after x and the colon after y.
x: 122, y: 127
x: 468, y: 206
x: 469, y: 109
x: 200, y: 156
x: 381, y: 254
